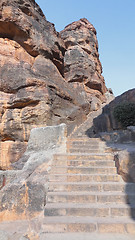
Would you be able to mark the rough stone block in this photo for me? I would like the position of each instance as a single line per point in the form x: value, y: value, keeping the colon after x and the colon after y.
x: 47, y: 138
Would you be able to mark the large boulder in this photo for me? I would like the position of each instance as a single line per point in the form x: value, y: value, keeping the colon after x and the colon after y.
x: 81, y: 61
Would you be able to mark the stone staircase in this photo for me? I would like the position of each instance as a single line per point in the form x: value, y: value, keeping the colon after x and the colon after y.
x: 86, y: 194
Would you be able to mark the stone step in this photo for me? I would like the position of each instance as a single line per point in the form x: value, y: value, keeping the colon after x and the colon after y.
x: 92, y: 210
x: 90, y: 235
x: 89, y: 156
x: 86, y: 144
x: 121, y: 225
x: 86, y: 195
x: 82, y: 144
x: 84, y: 138
x: 90, y: 197
x: 85, y: 178
x: 83, y: 170
x: 94, y: 186
x: 86, y: 150
x: 86, y: 163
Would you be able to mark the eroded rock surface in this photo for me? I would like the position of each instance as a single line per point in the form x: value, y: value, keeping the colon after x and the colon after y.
x: 46, y: 78
x: 25, y: 22
x: 125, y: 162
x: 81, y: 61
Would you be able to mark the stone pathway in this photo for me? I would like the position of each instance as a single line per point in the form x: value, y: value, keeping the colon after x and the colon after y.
x: 87, y: 199
x: 86, y: 195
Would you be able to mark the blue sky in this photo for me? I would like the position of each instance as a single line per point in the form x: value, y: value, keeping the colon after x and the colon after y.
x: 114, y: 21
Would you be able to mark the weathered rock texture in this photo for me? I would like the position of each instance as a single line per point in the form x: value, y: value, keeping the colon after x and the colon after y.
x: 82, y: 67
x: 23, y: 190
x: 24, y: 22
x: 106, y: 121
x: 46, y: 78
x: 125, y: 162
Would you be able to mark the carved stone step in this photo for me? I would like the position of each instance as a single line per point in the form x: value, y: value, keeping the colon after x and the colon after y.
x: 87, y: 150
x: 85, y: 163
x: 83, y: 170
x: 90, y: 197
x: 94, y: 186
x: 122, y: 225
x: 85, y: 178
x: 92, y: 210
x: 86, y: 156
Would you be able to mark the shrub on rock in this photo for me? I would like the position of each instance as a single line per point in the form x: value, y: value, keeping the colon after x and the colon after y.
x: 125, y: 114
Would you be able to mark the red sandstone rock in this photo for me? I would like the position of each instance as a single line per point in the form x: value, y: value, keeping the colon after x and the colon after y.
x: 81, y: 60
x: 25, y: 23
x: 33, y: 92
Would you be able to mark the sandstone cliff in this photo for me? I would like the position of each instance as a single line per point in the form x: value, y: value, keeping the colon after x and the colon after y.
x: 46, y: 78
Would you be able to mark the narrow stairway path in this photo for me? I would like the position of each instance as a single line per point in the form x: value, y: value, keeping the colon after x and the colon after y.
x: 86, y: 195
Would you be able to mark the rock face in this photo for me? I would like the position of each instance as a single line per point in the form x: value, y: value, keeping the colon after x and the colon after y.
x: 106, y: 121
x: 46, y: 78
x: 82, y: 67
x: 24, y: 22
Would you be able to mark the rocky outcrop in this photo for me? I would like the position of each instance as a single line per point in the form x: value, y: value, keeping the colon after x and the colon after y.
x: 45, y: 77
x: 25, y: 23
x: 82, y: 67
x: 106, y: 121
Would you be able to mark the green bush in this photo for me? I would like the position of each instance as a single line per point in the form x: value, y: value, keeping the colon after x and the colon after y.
x: 125, y: 114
